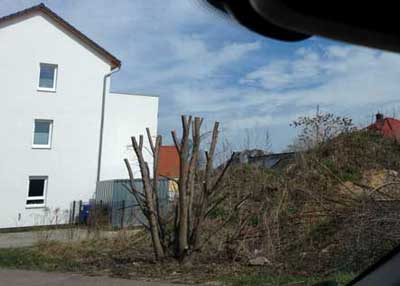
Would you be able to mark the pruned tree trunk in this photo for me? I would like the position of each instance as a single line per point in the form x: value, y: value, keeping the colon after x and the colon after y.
x: 148, y: 203
x: 194, y: 183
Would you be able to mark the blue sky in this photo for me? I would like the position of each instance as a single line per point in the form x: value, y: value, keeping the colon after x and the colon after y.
x: 202, y: 64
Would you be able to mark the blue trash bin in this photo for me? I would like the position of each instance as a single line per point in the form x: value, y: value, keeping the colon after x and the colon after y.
x: 84, y: 214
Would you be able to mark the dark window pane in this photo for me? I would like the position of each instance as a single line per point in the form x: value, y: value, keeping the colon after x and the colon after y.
x: 46, y: 76
x: 36, y: 188
x: 34, y: 202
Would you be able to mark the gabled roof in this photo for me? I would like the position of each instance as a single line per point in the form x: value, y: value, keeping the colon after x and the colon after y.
x: 168, y: 162
x: 41, y: 8
x: 388, y: 127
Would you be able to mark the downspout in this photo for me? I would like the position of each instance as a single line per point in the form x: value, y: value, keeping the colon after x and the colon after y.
x: 103, y: 106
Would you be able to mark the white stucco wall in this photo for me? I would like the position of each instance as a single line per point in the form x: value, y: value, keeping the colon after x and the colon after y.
x: 75, y: 108
x: 126, y: 115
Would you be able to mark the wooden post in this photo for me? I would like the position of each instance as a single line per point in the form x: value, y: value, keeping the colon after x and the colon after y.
x: 122, y: 214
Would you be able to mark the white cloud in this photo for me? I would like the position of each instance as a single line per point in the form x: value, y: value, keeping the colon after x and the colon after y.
x: 287, y: 73
x: 336, y: 76
x: 191, y: 59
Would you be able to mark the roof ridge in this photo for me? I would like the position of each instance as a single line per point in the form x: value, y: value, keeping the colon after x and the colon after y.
x: 114, y: 62
x: 390, y: 125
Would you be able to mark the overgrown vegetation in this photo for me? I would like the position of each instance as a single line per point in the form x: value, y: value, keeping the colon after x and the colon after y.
x: 255, y: 279
x: 127, y: 256
x: 335, y: 208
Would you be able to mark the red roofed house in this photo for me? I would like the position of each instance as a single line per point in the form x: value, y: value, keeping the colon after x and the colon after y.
x: 168, y: 167
x: 168, y: 164
x: 388, y: 127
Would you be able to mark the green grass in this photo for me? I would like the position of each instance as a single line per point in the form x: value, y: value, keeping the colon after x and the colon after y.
x: 266, y: 279
x: 31, y: 258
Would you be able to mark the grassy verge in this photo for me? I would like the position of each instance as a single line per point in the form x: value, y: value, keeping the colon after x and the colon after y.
x: 119, y: 258
x: 273, y: 280
x: 32, y: 259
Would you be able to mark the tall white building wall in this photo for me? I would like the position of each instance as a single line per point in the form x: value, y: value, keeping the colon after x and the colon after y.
x: 71, y: 163
x: 126, y: 115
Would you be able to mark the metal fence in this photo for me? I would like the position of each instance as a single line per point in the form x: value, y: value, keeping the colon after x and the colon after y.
x: 114, y: 205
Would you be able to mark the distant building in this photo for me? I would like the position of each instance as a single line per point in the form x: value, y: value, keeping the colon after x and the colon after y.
x: 262, y: 159
x: 386, y: 126
x: 168, y: 163
x: 54, y: 81
x: 168, y: 167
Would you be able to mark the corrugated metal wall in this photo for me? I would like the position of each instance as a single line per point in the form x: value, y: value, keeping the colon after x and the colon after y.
x: 104, y: 191
x: 124, y: 208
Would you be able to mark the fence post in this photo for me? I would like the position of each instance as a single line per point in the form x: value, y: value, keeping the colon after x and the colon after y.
x: 122, y: 214
x: 109, y: 213
x: 79, y: 211
x: 73, y: 213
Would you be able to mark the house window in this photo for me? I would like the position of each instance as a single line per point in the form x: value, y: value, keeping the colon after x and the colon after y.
x: 47, y: 77
x: 36, y: 192
x: 42, y: 132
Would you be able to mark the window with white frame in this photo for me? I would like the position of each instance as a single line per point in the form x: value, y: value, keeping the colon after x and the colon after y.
x: 37, y: 191
x: 47, y: 77
x: 42, y: 133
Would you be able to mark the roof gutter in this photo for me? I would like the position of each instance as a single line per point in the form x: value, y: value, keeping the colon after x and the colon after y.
x: 103, y: 106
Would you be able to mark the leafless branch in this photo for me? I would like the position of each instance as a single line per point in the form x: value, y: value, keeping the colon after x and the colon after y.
x: 150, y: 140
x: 176, y: 141
x: 141, y: 142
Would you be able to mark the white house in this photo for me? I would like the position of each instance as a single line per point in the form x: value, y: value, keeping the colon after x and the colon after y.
x: 62, y: 130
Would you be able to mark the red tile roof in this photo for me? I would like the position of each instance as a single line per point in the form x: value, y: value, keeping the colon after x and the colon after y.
x: 388, y: 127
x: 168, y: 162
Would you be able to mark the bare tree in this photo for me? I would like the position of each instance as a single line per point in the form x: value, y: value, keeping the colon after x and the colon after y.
x: 198, y: 190
x: 318, y: 129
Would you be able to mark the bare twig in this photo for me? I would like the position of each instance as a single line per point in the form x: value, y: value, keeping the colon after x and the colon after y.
x: 150, y: 140
x: 233, y: 213
x: 176, y: 141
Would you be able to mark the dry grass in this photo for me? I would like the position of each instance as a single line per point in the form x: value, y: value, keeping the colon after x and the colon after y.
x: 333, y: 209
x: 126, y: 255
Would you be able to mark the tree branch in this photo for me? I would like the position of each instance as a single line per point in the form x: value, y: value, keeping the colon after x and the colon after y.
x: 216, y: 204
x: 141, y: 142
x: 235, y: 209
x: 134, y: 191
x: 176, y: 142
x: 222, y: 174
x: 150, y: 140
